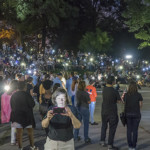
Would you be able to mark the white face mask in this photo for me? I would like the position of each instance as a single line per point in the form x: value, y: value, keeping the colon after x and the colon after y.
x: 61, y: 100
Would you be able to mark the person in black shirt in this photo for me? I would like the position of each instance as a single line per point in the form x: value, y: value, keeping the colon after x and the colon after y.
x: 133, y: 103
x: 22, y: 116
x: 109, y: 113
x: 83, y: 101
x: 60, y: 135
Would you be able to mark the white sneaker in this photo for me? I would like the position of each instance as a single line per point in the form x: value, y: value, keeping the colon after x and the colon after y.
x: 34, y: 148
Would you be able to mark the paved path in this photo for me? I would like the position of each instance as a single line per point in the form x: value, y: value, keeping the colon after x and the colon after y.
x: 94, y: 131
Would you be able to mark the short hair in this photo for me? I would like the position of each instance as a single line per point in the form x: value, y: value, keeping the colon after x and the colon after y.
x: 29, y: 79
x: 47, y: 84
x: 59, y: 91
x: 22, y: 85
x: 81, y: 86
x: 110, y: 79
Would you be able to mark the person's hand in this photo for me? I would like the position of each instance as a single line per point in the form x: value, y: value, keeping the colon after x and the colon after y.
x: 50, y: 115
x: 68, y: 112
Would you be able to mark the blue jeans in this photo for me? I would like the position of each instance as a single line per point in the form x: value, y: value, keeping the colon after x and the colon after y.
x: 72, y: 100
x: 85, y: 116
x: 92, y: 109
x: 132, y: 129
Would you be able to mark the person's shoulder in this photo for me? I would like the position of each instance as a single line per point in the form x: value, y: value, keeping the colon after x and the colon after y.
x: 139, y: 94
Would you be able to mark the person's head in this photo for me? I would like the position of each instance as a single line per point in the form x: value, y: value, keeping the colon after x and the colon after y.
x: 72, y: 74
x: 56, y: 85
x: 13, y: 86
x: 111, y: 80
x: 60, y: 75
x: 81, y: 86
x: 22, y: 85
x: 29, y: 79
x: 132, y: 89
x: 47, y: 84
x: 46, y: 76
x: 60, y: 97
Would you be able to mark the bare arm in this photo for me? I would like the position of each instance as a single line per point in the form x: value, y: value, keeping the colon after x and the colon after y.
x: 75, y: 122
x: 141, y: 104
x: 46, y: 121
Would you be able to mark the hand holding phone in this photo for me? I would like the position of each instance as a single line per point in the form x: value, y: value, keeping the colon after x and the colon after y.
x: 50, y: 114
x: 59, y: 110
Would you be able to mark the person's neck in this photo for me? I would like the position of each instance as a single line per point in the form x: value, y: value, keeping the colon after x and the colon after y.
x: 109, y: 85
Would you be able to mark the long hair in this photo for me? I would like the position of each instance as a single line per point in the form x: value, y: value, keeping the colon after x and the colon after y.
x: 132, y: 89
x: 74, y: 82
x: 81, y: 86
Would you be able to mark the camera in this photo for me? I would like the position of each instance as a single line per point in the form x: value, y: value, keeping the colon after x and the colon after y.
x: 59, y: 110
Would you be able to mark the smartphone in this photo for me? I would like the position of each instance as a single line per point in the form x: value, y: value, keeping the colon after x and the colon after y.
x: 59, y: 110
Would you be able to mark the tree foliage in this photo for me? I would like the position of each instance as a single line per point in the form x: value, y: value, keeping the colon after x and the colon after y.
x: 98, y: 42
x: 138, y: 20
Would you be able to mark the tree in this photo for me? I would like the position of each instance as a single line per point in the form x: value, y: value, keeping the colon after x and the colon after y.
x: 138, y: 20
x: 97, y: 42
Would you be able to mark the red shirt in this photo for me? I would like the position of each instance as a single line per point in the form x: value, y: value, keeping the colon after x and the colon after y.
x: 92, y: 92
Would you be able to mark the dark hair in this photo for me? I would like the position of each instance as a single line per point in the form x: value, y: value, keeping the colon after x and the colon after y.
x: 110, y: 79
x: 13, y: 86
x: 22, y: 85
x: 59, y: 91
x: 47, y: 84
x: 56, y: 86
x: 72, y: 73
x: 132, y: 89
x: 29, y: 79
x: 81, y: 86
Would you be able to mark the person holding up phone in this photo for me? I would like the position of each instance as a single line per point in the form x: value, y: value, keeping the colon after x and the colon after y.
x: 61, y: 119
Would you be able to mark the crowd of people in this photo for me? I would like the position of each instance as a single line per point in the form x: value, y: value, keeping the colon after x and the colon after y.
x: 63, y: 104
x: 68, y: 98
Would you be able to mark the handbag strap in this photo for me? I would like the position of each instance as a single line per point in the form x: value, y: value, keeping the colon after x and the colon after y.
x: 125, y: 98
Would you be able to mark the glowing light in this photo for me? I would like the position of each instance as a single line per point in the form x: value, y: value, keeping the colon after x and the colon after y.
x: 23, y: 64
x: 120, y: 67
x: 138, y: 76
x: 7, y: 87
x: 29, y: 71
x: 102, y: 64
x: 93, y: 78
x: 116, y: 60
x: 128, y: 56
x: 91, y: 59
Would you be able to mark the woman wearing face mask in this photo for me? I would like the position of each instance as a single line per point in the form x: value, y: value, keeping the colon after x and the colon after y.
x: 61, y: 119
